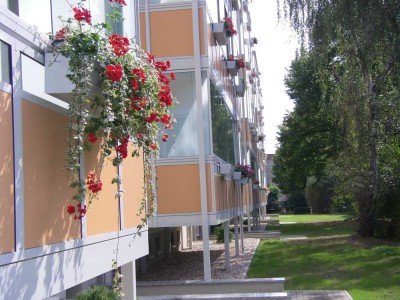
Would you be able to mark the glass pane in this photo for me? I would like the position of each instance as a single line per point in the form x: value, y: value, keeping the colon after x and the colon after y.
x: 5, y: 66
x: 183, y: 137
x: 222, y: 127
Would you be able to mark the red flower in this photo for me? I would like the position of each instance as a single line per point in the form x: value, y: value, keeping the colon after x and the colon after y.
x: 60, y: 35
x: 114, y: 72
x: 153, y: 146
x: 135, y: 84
x: 138, y: 103
x: 92, y: 137
x: 165, y: 119
x: 164, y: 95
x: 122, y: 148
x: 82, y: 15
x: 120, y: 44
x: 81, y: 208
x: 241, y: 63
x: 162, y: 66
x: 162, y: 78
x: 94, y: 185
x: 228, y: 24
x: 172, y: 75
x: 165, y: 137
x: 71, y: 209
x: 122, y: 2
x: 139, y: 73
x: 150, y: 58
x: 152, y: 118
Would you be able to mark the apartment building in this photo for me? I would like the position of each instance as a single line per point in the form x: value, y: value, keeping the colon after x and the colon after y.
x: 212, y: 51
x: 44, y: 252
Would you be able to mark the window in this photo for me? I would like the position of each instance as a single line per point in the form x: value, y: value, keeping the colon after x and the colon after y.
x: 222, y: 128
x: 12, y: 5
x: 5, y: 66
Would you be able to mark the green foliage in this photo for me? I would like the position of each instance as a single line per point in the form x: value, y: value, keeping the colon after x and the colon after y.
x: 308, y: 136
x: 272, y: 199
x: 97, y: 293
x: 353, y: 57
x: 319, y: 194
x: 301, y: 210
x: 219, y: 232
x: 296, y: 199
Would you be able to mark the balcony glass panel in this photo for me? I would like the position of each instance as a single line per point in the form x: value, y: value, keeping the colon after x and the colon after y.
x: 222, y: 127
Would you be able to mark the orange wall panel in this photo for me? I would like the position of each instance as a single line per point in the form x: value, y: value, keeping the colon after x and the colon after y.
x: 46, y: 190
x: 7, y: 238
x: 143, y: 38
x: 102, y: 215
x: 178, y: 189
x: 208, y: 183
x: 132, y: 181
x: 171, y: 32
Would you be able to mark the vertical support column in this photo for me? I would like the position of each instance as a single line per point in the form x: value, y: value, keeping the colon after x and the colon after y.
x: 129, y: 281
x: 236, y: 236
x: 201, y: 141
x: 226, y: 240
x: 191, y: 232
x: 167, y: 242
x: 241, y: 233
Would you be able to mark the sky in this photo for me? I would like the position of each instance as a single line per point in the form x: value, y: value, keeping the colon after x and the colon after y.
x: 275, y: 50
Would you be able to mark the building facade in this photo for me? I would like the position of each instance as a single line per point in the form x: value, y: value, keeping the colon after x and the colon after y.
x: 44, y: 252
x: 218, y: 113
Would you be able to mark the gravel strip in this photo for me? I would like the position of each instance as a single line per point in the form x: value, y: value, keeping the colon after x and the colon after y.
x: 188, y: 264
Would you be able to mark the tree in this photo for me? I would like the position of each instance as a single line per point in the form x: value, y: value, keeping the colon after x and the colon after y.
x: 366, y: 35
x: 308, y: 136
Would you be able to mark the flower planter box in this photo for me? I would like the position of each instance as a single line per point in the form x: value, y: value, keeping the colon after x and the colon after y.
x: 248, y: 26
x: 244, y: 180
x: 232, y: 67
x: 220, y: 34
x: 235, y: 5
x: 237, y: 176
x: 240, y: 90
x: 255, y: 186
x: 248, y: 65
x: 56, y: 82
x: 226, y: 169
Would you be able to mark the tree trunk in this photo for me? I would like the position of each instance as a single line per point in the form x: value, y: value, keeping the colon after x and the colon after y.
x: 368, y: 204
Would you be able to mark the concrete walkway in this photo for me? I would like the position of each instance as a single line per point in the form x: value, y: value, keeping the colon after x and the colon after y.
x: 319, y: 295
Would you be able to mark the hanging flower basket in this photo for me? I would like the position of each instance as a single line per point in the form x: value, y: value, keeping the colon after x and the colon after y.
x: 237, y: 175
x: 220, y: 34
x: 232, y: 67
x: 248, y: 65
x: 240, y: 90
x: 57, y: 83
x: 225, y: 169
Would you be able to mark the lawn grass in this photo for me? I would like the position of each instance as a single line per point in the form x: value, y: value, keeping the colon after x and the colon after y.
x: 313, y: 230
x: 313, y: 218
x: 333, y: 258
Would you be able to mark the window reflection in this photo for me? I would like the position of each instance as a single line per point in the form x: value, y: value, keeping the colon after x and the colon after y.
x: 222, y: 128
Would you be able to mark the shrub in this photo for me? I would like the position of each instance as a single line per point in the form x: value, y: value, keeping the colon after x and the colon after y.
x: 301, y: 210
x: 97, y: 293
x: 219, y: 232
